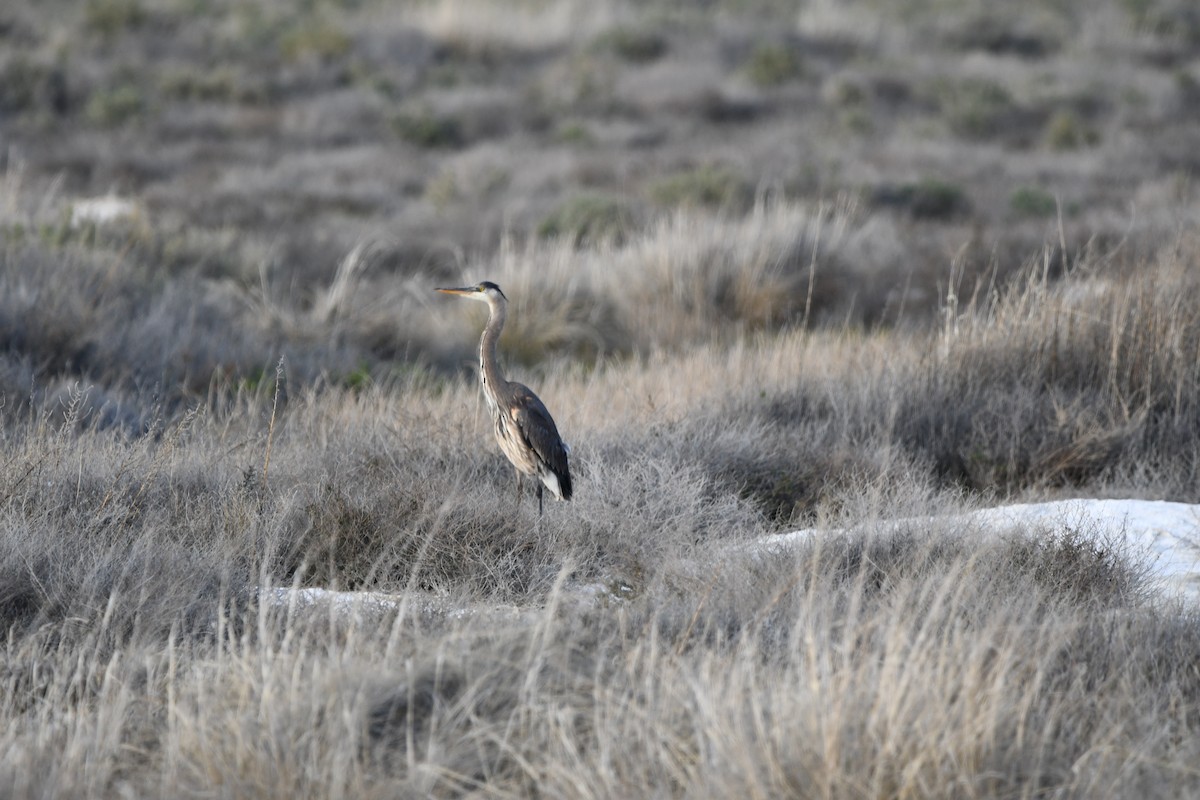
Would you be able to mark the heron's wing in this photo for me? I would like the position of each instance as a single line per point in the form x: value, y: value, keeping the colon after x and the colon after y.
x: 540, y: 433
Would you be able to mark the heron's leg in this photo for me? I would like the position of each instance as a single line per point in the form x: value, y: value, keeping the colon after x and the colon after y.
x: 518, y: 488
x: 539, y: 495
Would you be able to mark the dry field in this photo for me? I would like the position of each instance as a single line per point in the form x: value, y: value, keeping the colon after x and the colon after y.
x: 772, y: 265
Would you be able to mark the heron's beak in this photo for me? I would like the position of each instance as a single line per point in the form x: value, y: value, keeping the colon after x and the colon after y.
x: 469, y: 290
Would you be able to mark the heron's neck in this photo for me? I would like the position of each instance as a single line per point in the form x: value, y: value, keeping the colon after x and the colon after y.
x: 488, y: 365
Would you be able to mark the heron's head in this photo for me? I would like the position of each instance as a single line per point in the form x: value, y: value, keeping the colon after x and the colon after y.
x: 486, y: 291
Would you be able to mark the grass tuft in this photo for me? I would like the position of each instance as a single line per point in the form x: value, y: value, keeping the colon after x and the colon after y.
x: 773, y: 64
x: 587, y: 220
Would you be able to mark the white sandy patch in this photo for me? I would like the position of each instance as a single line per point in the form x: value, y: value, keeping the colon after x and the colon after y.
x: 104, y: 210
x: 1164, y: 535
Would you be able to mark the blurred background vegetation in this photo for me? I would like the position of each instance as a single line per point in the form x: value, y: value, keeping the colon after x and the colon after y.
x: 248, y: 149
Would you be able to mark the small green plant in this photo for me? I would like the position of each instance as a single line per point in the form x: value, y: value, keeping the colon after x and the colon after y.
x: 314, y: 38
x: 711, y: 186
x: 638, y: 46
x: 220, y: 84
x: 13, y: 234
x: 773, y: 64
x: 936, y: 199
x: 930, y: 198
x: 975, y: 107
x: 857, y: 120
x: 586, y: 219
x: 847, y: 93
x: 1029, y: 201
x: 110, y: 17
x: 115, y: 106
x: 359, y: 379
x: 850, y: 100
x: 1066, y: 131
x: 251, y: 380
x: 424, y: 128
x: 575, y: 133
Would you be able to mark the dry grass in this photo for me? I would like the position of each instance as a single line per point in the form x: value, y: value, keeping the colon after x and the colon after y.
x: 903, y: 664
x: 823, y: 288
x: 448, y: 125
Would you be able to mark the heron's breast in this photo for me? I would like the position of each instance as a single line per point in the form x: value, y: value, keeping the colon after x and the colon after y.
x: 512, y: 445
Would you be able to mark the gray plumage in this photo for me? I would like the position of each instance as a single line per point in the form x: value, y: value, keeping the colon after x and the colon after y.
x: 524, y: 428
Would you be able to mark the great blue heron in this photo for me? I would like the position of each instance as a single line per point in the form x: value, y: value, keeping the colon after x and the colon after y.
x: 524, y: 428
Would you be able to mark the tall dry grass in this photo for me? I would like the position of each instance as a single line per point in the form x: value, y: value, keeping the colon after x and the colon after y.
x: 626, y: 642
x: 906, y: 665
